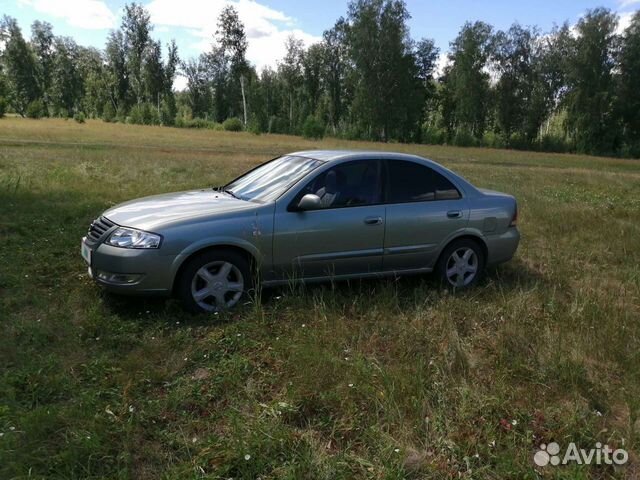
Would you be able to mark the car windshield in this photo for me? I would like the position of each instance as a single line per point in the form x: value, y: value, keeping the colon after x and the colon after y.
x: 269, y: 181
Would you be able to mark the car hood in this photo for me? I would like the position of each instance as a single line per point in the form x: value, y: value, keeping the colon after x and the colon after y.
x: 150, y: 213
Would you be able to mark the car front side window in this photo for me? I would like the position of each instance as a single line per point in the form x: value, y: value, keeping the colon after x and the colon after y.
x: 351, y: 184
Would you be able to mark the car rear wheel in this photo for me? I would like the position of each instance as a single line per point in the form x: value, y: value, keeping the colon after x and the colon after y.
x: 214, y: 281
x: 461, y: 264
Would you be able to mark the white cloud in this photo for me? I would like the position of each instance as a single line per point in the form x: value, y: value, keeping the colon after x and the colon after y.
x: 268, y: 50
x: 266, y: 28
x: 625, y: 21
x: 180, y: 83
x: 88, y: 14
x: 442, y: 63
x: 627, y: 3
x: 626, y: 17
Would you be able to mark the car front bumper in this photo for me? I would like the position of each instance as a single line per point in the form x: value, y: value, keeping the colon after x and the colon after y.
x: 129, y: 270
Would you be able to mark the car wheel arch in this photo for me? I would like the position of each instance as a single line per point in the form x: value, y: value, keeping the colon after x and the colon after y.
x: 467, y: 236
x: 250, y: 257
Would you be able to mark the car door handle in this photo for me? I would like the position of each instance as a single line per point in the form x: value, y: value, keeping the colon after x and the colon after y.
x: 373, y: 220
x: 454, y: 214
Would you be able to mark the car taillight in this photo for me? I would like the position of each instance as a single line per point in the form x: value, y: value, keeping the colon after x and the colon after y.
x: 514, y: 220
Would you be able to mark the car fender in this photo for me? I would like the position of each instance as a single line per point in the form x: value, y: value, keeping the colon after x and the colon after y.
x: 221, y: 241
x: 461, y: 232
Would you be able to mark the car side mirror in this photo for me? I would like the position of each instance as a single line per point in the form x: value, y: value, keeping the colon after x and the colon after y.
x: 310, y: 202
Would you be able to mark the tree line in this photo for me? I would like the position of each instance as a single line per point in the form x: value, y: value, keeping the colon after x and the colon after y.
x: 572, y: 89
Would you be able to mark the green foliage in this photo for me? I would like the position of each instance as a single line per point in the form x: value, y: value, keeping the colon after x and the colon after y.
x: 43, y: 45
x: 183, y: 111
x: 94, y: 82
x: 464, y: 138
x: 3, y: 106
x: 168, y: 111
x: 121, y: 114
x: 182, y: 122
x: 631, y: 150
x: 312, y: 65
x: 277, y: 125
x: 467, y: 83
x: 336, y: 71
x: 432, y: 135
x: 20, y: 68
x: 170, y: 69
x: 290, y: 77
x: 232, y: 69
x: 138, y: 115
x: 366, y: 79
x: 198, y: 98
x: 629, y: 95
x: 494, y: 140
x: 517, y: 55
x: 254, y: 126
x: 108, y: 112
x: 518, y: 141
x: 590, y: 68
x: 313, y: 128
x: 79, y: 117
x: 389, y: 95
x: 35, y: 109
x: 553, y: 143
x: 232, y: 124
x: 144, y: 114
x: 153, y: 115
x: 153, y: 76
x: 136, y: 41
x: 67, y: 82
x: 116, y: 76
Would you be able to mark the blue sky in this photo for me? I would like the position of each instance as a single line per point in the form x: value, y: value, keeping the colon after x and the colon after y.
x: 269, y: 22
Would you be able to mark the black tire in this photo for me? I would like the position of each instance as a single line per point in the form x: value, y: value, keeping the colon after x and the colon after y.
x: 213, y: 261
x: 447, y: 262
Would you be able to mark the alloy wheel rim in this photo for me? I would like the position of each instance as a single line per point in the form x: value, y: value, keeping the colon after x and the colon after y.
x: 217, y: 286
x: 462, y: 267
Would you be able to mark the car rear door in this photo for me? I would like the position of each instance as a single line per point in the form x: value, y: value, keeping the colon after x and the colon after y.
x: 345, y: 237
x: 423, y: 210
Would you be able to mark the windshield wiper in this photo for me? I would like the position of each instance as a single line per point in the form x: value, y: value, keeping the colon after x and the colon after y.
x: 229, y: 192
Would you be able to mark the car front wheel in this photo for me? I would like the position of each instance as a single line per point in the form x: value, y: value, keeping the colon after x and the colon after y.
x: 461, y: 264
x: 214, y: 281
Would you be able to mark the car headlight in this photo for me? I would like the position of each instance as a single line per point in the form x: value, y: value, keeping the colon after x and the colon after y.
x: 131, y: 238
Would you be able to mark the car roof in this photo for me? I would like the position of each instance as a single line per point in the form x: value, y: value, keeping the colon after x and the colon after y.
x: 335, y: 155
x: 338, y: 155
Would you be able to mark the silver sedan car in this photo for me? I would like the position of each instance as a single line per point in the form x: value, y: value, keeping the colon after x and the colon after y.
x: 306, y: 216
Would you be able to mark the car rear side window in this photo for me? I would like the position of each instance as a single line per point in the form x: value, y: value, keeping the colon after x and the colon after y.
x: 412, y: 182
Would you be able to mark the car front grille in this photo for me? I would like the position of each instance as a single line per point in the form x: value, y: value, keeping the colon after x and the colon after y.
x: 99, y: 227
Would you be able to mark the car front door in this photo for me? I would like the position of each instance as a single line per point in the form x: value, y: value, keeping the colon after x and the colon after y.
x: 344, y: 237
x: 423, y: 209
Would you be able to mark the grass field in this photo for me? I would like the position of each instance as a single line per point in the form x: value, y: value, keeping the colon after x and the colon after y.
x: 380, y: 379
